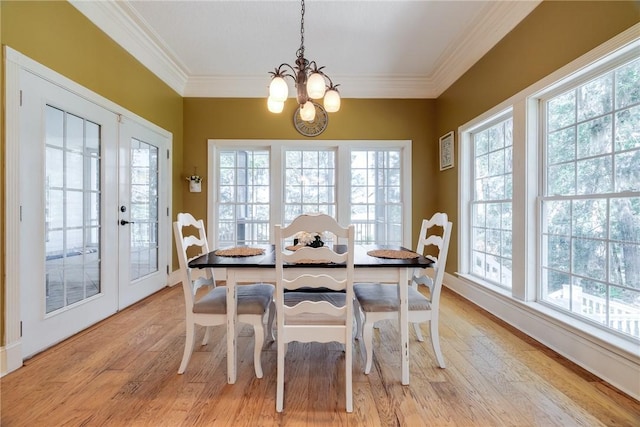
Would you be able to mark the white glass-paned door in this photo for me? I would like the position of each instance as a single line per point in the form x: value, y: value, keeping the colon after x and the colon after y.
x: 143, y: 212
x: 68, y: 239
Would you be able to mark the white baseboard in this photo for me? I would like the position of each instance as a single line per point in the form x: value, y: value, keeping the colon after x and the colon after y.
x: 619, y: 367
x: 10, y: 358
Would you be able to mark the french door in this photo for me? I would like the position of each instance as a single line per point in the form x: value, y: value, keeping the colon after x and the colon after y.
x: 143, y: 213
x: 86, y: 176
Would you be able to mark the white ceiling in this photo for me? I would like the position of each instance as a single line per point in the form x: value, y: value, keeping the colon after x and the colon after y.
x: 373, y: 49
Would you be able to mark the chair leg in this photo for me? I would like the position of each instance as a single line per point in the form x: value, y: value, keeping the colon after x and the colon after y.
x: 207, y: 333
x: 358, y: 314
x: 367, y: 336
x: 272, y: 315
x: 435, y: 342
x: 280, y: 376
x: 416, y: 327
x: 258, y: 338
x: 348, y: 374
x: 188, y: 347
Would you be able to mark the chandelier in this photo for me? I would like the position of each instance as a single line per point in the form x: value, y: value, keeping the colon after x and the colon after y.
x: 310, y: 82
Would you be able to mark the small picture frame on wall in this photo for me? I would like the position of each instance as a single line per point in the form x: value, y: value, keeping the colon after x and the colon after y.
x: 446, y: 151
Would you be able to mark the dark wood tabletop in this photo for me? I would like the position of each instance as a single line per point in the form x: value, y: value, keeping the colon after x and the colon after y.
x: 268, y: 259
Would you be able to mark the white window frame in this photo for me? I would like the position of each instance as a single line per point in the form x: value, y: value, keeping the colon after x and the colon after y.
x: 605, y: 353
x: 470, y: 187
x: 609, y: 63
x: 343, y: 156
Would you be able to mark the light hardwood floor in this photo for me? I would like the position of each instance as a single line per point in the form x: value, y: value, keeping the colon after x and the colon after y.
x: 123, y: 372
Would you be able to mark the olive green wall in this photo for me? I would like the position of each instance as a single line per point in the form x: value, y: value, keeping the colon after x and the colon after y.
x: 358, y: 119
x: 56, y: 35
x: 553, y: 35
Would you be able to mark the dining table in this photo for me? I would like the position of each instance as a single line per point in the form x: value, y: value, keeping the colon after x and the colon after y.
x: 261, y: 268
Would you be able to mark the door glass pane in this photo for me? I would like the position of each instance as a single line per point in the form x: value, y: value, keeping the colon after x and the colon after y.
x: 144, y: 209
x: 72, y: 209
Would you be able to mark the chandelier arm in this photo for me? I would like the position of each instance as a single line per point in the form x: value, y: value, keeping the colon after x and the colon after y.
x: 279, y: 72
x: 331, y: 85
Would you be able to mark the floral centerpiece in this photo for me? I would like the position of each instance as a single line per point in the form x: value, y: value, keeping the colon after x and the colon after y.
x: 308, y: 238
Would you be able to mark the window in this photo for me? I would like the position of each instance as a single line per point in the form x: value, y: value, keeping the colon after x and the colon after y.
x: 376, y: 196
x: 491, y: 202
x: 309, y: 182
x: 366, y: 183
x: 590, y: 208
x: 551, y: 211
x: 243, y: 197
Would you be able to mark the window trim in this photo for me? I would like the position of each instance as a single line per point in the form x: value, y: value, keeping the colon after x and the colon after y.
x: 526, y: 221
x: 276, y: 149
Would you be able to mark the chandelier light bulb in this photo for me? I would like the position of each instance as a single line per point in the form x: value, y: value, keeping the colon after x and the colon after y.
x: 308, y: 111
x: 316, y: 86
x: 332, y: 101
x: 278, y: 89
x: 275, y: 106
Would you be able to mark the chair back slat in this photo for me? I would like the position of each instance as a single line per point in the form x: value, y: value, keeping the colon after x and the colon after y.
x: 314, y: 281
x: 188, y: 247
x: 316, y: 307
x: 321, y: 255
x: 432, y: 277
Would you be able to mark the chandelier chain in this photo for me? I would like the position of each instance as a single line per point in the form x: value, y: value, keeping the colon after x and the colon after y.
x: 301, y: 50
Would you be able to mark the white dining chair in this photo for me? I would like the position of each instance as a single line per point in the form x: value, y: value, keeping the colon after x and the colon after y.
x: 314, y: 302
x: 209, y: 307
x: 377, y: 301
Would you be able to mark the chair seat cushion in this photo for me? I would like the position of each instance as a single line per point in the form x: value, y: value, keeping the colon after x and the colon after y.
x: 252, y: 299
x: 378, y: 297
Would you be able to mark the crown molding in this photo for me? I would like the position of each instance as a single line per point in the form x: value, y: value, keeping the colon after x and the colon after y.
x: 120, y: 22
x: 360, y: 87
x: 496, y: 21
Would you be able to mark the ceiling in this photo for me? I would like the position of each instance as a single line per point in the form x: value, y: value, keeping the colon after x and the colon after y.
x: 373, y: 49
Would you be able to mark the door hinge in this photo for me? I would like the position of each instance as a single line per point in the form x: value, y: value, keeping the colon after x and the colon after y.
x: 20, y: 213
x: 167, y: 210
x: 21, y: 329
x: 167, y: 269
x: 168, y: 156
x: 21, y: 97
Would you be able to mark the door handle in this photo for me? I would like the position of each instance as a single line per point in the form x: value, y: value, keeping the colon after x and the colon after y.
x: 125, y: 222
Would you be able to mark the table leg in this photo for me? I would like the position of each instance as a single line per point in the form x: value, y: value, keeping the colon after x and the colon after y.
x: 403, y: 296
x: 231, y: 326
